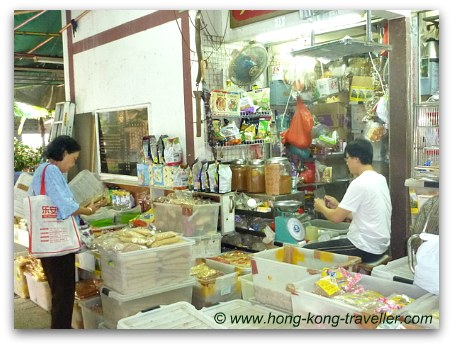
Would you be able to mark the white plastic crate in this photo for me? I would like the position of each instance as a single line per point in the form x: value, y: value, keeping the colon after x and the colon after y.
x: 224, y: 288
x: 137, y: 271
x: 241, y: 314
x: 116, y: 306
x: 206, y: 246
x: 396, y: 270
x: 425, y: 312
x: 247, y: 287
x: 180, y: 315
x: 273, y: 269
x: 196, y: 220
x: 39, y: 292
x: 333, y: 314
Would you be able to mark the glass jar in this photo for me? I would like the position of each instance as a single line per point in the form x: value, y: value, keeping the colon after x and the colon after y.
x: 255, y: 176
x: 277, y: 176
x: 239, y: 175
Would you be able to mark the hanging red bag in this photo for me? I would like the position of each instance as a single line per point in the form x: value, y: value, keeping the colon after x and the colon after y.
x: 299, y: 132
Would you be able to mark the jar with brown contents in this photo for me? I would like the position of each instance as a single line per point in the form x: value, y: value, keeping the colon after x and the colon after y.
x: 255, y: 176
x: 277, y: 176
x: 239, y: 175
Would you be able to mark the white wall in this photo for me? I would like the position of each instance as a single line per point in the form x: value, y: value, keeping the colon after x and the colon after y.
x: 142, y: 68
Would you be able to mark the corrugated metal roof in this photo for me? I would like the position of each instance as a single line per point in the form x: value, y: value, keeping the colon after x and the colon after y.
x: 38, y: 57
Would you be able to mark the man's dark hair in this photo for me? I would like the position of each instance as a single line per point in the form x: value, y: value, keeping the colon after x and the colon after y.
x: 56, y: 148
x: 360, y: 148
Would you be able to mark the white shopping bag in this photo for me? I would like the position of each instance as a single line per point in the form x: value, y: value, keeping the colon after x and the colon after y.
x: 48, y: 236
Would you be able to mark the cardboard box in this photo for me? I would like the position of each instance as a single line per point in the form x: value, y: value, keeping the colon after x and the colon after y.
x: 156, y: 177
x: 342, y: 97
x: 143, y: 174
x: 327, y: 86
x: 361, y: 88
x: 331, y: 114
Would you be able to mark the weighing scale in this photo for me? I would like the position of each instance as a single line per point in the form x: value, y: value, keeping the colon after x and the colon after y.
x: 288, y: 227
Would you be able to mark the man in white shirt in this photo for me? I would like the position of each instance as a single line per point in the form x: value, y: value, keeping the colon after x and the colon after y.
x: 366, y: 201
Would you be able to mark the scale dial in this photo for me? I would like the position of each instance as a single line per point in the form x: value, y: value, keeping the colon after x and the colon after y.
x: 295, y: 229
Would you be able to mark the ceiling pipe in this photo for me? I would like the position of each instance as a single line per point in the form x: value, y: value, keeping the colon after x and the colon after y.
x: 39, y: 58
x: 37, y: 69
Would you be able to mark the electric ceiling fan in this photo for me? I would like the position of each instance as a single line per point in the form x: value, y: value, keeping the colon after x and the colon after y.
x: 247, y: 65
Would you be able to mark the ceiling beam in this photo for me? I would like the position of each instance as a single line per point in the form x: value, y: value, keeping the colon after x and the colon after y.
x: 60, y: 31
x: 31, y: 33
x: 29, y: 20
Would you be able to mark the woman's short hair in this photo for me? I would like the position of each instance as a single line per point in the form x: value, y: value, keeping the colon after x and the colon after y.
x: 56, y: 148
x: 360, y: 148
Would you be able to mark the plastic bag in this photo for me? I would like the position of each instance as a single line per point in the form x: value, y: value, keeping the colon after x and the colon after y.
x: 427, y: 268
x: 374, y: 131
x: 299, y: 131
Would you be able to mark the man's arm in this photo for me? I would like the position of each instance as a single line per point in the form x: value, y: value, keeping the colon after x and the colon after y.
x: 335, y: 215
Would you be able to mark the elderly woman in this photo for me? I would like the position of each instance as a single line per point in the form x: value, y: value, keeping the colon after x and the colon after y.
x: 61, y: 155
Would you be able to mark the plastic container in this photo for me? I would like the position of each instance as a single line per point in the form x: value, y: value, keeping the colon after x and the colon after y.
x: 117, y: 306
x: 241, y: 314
x: 39, y: 292
x: 224, y: 288
x: 227, y: 262
x: 92, y: 312
x: 196, y: 220
x: 256, y: 176
x: 239, y: 175
x: 77, y: 318
x: 274, y: 269
x: 305, y: 302
x: 424, y: 313
x: 278, y: 176
x: 396, y: 270
x: 133, y: 272
x: 247, y: 287
x: 206, y: 246
x: 179, y: 315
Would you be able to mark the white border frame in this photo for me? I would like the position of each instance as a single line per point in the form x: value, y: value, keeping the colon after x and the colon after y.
x: 116, y: 177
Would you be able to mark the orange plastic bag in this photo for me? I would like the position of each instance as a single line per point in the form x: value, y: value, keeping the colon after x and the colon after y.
x: 299, y: 132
